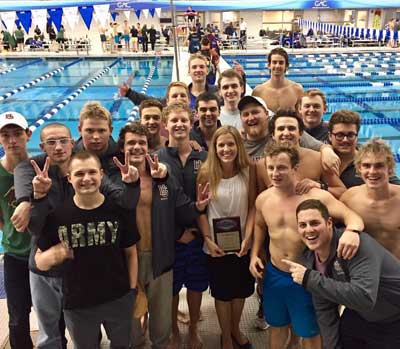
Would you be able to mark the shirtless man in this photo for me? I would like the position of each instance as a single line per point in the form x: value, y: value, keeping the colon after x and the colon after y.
x: 127, y: 30
x: 279, y: 92
x: 287, y: 127
x: 150, y: 111
x: 377, y: 200
x: 161, y: 200
x: 287, y: 303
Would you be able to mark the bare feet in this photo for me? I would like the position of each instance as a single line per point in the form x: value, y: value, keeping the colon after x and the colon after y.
x: 194, y: 339
x: 175, y: 341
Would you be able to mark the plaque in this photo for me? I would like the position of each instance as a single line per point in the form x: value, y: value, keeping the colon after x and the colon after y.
x: 227, y: 233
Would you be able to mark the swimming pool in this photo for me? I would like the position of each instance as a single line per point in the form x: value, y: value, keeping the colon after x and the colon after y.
x: 48, y: 94
x: 368, y: 83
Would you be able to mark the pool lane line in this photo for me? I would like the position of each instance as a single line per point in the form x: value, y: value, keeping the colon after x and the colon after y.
x: 71, y: 97
x: 37, y: 80
x: 21, y: 66
x: 134, y: 113
x: 67, y: 100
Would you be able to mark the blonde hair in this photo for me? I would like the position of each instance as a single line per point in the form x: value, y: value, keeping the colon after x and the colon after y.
x: 197, y: 56
x: 211, y: 169
x: 94, y: 110
x: 376, y: 146
x: 174, y: 107
x: 177, y: 84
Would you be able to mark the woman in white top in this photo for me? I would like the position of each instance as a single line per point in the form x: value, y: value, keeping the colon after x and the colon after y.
x: 231, y: 179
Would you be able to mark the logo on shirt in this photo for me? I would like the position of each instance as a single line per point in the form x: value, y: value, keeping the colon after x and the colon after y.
x: 196, y: 165
x: 89, y: 234
x: 338, y: 268
x: 163, y: 189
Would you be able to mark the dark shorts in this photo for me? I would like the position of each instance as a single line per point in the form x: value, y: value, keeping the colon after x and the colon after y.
x: 103, y: 37
x: 286, y: 302
x: 230, y: 277
x: 20, y: 40
x: 190, y: 267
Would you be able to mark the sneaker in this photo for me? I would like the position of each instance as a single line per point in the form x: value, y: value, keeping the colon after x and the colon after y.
x: 261, y: 324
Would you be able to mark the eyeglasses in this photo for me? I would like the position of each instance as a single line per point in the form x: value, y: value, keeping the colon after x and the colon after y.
x: 53, y: 142
x: 351, y: 136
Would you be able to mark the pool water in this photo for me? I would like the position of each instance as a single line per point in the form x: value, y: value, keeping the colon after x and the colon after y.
x: 368, y: 83
x: 38, y: 100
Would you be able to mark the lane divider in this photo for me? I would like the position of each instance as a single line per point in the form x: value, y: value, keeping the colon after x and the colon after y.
x: 20, y: 66
x: 71, y: 97
x: 37, y: 80
x: 67, y: 100
x: 133, y: 116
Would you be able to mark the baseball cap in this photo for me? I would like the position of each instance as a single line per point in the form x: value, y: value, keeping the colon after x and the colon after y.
x: 252, y: 99
x: 13, y: 118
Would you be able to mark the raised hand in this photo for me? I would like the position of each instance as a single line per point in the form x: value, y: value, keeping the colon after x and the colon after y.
x: 203, y: 196
x: 157, y: 169
x: 123, y: 89
x: 41, y: 183
x: 129, y: 173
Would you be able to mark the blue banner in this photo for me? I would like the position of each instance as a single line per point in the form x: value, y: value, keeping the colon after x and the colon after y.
x: 137, y: 13
x: 87, y: 14
x: 25, y: 18
x: 56, y: 16
x: 152, y: 12
x: 114, y: 16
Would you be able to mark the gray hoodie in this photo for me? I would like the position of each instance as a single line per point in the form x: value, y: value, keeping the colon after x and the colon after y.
x: 369, y: 284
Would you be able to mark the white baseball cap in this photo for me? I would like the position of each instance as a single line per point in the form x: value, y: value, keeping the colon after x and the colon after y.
x: 253, y: 99
x: 13, y: 118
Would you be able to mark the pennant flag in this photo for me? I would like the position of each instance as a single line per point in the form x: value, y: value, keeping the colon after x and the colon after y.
x: 357, y: 33
x: 71, y: 16
x: 152, y: 11
x: 87, y: 14
x: 39, y: 18
x: 158, y: 11
x: 101, y: 12
x: 25, y: 18
x: 8, y: 20
x: 137, y: 13
x: 56, y: 16
x: 127, y: 14
x: 114, y: 16
x: 362, y: 33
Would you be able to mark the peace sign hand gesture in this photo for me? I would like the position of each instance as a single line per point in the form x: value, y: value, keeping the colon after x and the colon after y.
x: 157, y: 169
x: 41, y: 183
x: 129, y: 173
x: 203, y: 196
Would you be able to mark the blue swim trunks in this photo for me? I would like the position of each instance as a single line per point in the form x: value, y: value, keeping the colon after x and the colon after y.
x: 126, y: 37
x: 190, y: 267
x: 286, y: 302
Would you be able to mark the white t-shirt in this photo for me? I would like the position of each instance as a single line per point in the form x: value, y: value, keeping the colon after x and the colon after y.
x: 243, y: 25
x: 231, y: 201
x: 230, y: 118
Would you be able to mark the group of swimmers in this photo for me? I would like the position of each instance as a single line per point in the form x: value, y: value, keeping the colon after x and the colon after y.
x: 202, y: 195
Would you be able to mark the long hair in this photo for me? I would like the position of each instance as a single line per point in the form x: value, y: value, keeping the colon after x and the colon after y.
x: 211, y: 170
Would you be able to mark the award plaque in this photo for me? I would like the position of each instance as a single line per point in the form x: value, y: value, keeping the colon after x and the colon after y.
x: 227, y: 233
